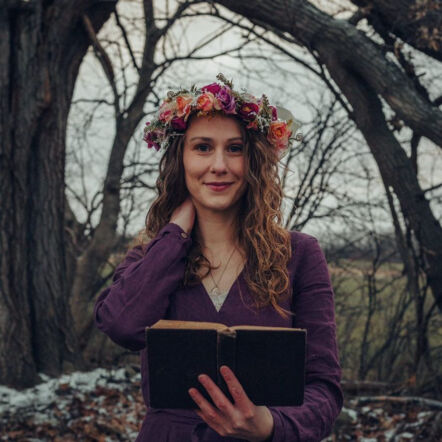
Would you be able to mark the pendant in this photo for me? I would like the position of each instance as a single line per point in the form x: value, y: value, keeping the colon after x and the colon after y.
x: 215, y: 292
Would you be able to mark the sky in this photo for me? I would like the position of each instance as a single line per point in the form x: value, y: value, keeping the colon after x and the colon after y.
x: 89, y: 138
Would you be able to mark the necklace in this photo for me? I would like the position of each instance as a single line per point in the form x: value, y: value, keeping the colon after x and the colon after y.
x: 215, y: 290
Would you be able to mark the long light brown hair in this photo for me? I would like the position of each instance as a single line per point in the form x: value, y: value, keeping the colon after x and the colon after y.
x: 266, y: 243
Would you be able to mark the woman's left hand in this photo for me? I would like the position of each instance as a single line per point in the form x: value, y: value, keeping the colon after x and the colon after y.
x: 242, y: 419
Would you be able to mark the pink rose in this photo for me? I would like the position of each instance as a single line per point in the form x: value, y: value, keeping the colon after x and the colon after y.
x: 166, y: 111
x: 274, y: 113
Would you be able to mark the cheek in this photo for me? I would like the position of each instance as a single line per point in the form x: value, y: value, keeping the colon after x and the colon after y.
x: 191, y: 179
x: 187, y: 169
x: 240, y: 168
x: 242, y: 172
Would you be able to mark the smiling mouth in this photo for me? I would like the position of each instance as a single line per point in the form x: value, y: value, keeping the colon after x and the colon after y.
x: 218, y: 184
x: 218, y: 187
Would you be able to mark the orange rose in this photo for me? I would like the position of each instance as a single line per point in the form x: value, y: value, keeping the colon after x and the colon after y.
x: 279, y: 134
x: 207, y: 102
x: 183, y: 104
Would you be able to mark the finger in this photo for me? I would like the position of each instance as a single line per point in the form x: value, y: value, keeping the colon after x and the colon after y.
x: 236, y: 390
x: 219, y: 398
x: 212, y: 418
x: 206, y: 411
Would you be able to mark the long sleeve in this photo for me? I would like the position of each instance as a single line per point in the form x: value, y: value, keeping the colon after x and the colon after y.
x: 141, y: 287
x: 314, y: 309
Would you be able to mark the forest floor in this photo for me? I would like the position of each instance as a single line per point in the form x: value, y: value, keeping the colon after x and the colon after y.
x: 106, y: 405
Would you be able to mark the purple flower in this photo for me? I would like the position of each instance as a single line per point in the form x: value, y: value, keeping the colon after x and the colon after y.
x: 178, y: 123
x: 226, y: 100
x: 248, y: 111
x: 153, y: 136
x: 213, y: 87
x: 150, y: 143
x: 274, y: 113
x: 149, y: 139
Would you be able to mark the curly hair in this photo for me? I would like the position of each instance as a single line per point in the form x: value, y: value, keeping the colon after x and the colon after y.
x: 266, y: 243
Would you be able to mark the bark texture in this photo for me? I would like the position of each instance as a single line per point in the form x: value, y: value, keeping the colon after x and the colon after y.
x: 418, y: 24
x: 41, y: 47
x: 87, y: 279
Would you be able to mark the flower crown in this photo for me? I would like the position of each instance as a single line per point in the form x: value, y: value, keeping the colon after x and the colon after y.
x: 257, y: 114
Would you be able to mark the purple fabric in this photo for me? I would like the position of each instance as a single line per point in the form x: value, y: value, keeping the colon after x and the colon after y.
x: 146, y: 288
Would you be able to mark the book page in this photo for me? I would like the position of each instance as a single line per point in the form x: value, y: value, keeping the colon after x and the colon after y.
x: 173, y: 323
x: 261, y: 327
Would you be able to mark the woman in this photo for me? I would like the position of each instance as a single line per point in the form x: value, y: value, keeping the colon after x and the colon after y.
x: 218, y: 253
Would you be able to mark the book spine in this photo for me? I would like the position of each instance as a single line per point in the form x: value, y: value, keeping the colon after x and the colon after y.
x: 226, y: 345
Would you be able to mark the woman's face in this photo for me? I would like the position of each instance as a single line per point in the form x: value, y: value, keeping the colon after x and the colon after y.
x: 214, y: 153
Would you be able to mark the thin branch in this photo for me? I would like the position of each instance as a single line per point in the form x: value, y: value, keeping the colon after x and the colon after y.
x: 430, y: 189
x: 126, y: 40
x: 270, y: 42
x: 92, y: 100
x: 103, y: 59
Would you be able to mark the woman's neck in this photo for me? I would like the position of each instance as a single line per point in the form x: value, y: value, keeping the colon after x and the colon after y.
x: 217, y: 232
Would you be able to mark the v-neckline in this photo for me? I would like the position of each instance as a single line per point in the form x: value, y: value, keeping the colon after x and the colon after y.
x: 228, y: 293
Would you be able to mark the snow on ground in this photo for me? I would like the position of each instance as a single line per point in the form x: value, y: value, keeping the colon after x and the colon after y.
x: 100, y: 405
x: 106, y: 405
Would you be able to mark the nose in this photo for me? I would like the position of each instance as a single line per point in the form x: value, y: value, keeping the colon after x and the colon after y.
x: 219, y: 163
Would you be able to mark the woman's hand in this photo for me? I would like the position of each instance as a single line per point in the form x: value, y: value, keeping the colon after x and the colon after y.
x: 242, y: 419
x: 184, y: 215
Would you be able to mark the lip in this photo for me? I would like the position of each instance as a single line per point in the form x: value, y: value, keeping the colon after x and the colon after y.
x: 218, y: 188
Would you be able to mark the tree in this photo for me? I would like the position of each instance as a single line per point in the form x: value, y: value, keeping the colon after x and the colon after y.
x: 42, y: 45
x: 417, y: 23
x: 49, y: 265
x: 367, y: 78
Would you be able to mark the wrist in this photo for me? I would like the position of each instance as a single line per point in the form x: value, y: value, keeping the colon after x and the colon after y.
x: 270, y: 438
x: 267, y: 435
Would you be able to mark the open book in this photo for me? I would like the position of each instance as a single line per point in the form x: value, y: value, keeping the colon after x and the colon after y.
x: 269, y: 362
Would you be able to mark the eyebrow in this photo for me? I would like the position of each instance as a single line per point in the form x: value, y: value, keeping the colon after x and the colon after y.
x: 210, y: 139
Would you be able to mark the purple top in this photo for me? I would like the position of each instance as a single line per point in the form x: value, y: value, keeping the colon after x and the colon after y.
x: 146, y: 288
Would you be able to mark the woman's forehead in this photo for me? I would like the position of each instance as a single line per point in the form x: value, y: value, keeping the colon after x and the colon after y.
x: 208, y: 126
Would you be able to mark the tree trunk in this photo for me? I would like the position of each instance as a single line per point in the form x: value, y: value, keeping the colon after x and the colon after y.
x: 362, y: 73
x: 42, y: 45
x: 417, y: 24
x: 87, y: 278
x: 394, y: 166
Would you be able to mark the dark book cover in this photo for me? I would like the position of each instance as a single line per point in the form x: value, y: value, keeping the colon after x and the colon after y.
x: 269, y: 362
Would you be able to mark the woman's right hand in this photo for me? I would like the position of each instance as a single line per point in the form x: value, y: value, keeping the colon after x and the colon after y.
x: 184, y: 215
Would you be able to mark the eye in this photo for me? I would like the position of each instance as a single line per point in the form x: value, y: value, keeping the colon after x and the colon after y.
x: 236, y: 147
x: 202, y: 147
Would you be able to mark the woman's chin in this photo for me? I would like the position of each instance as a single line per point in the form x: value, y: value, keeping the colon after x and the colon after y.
x: 219, y: 206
